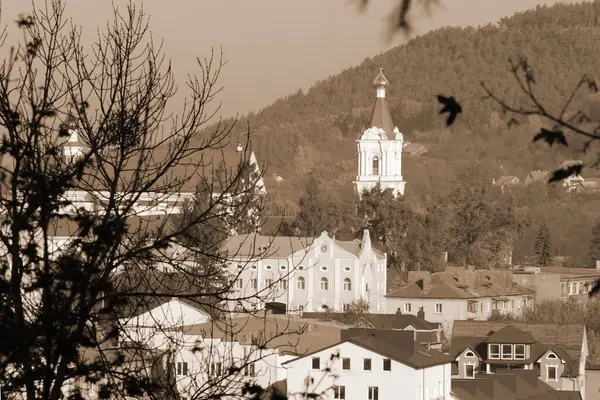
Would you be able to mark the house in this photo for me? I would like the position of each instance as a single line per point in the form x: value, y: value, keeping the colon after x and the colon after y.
x: 305, y: 273
x: 588, y: 186
x: 430, y: 334
x: 460, y: 293
x: 171, y: 314
x: 244, y: 348
x: 537, y: 177
x: 553, y: 283
x: 372, y: 364
x: 507, y: 384
x: 557, y: 353
x: 505, y: 181
x: 414, y: 149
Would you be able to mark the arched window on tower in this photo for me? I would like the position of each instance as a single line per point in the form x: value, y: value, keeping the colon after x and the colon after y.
x: 375, y: 165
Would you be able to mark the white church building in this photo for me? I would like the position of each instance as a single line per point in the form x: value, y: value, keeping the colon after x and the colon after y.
x: 380, y: 148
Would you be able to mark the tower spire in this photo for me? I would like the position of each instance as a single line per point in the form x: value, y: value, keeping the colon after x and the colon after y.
x: 381, y: 83
x: 381, y: 112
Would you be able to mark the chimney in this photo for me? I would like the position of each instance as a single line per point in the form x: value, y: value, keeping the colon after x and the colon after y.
x: 425, y: 284
x: 421, y: 313
x: 398, y: 311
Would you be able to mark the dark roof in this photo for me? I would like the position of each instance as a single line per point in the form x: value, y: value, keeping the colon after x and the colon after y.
x: 252, y: 245
x: 376, y: 321
x: 508, y: 385
x: 275, y: 225
x: 448, y: 285
x: 511, y: 334
x: 565, y: 340
x: 394, y: 345
x: 381, y: 111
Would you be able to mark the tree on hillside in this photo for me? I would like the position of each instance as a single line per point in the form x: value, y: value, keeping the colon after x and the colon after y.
x: 405, y: 236
x: 317, y: 212
x: 594, y: 251
x: 543, y: 246
x: 482, y: 224
x: 90, y: 148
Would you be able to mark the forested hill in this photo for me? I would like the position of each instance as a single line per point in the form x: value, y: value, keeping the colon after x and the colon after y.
x: 318, y: 129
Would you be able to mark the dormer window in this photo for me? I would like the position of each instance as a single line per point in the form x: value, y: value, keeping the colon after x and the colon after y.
x: 519, y: 352
x: 507, y: 352
x: 324, y: 248
x: 469, y: 354
x: 494, y: 351
x: 552, y: 356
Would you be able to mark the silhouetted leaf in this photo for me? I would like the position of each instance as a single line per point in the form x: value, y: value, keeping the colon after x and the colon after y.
x: 551, y: 137
x: 564, y: 173
x: 450, y: 106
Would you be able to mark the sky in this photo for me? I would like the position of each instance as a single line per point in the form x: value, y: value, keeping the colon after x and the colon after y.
x: 274, y: 47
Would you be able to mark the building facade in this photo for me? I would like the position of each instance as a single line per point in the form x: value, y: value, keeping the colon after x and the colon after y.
x: 373, y: 365
x: 380, y: 148
x: 558, y: 353
x: 306, y: 274
x: 460, y: 294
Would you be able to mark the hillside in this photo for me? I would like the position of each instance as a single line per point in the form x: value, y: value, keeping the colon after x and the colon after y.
x: 317, y: 129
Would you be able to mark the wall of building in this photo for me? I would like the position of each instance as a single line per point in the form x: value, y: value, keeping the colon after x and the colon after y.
x: 453, y: 309
x: 402, y: 379
x: 367, y: 275
x: 592, y: 384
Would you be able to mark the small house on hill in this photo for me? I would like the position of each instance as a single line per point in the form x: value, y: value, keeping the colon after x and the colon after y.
x: 414, y: 149
x: 537, y: 177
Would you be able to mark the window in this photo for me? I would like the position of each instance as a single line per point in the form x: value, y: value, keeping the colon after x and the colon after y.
x: 182, y: 368
x: 300, y: 283
x: 254, y: 283
x: 239, y: 283
x: 240, y: 266
x: 552, y: 355
x: 472, y: 306
x: 323, y: 268
x: 366, y: 364
x: 345, y: 307
x: 525, y: 303
x: 494, y: 351
x: 470, y: 371
x: 283, y: 284
x: 250, y: 369
x: 563, y: 289
x: 268, y: 267
x: 339, y: 392
x: 347, y: 285
x: 300, y: 268
x: 519, y: 351
x: 407, y: 307
x: 551, y: 372
x: 373, y: 393
x: 507, y: 352
x: 438, y: 308
x: 346, y: 269
x: 345, y: 364
x: 387, y: 364
x: 570, y: 288
x: 375, y: 170
x: 324, y: 248
x: 268, y: 282
x: 215, y: 369
x: 512, y: 304
x: 324, y: 284
x: 282, y: 267
x: 254, y: 267
x: 316, y: 363
x: 469, y: 354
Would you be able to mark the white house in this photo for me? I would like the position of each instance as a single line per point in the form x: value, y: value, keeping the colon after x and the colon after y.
x: 372, y: 365
x: 167, y: 316
x: 460, y: 293
x: 380, y: 148
x: 307, y: 274
x: 228, y: 353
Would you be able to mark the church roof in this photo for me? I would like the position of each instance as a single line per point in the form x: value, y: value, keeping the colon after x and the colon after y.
x: 381, y: 111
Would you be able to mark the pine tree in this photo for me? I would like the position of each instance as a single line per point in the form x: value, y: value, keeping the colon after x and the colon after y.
x: 594, y: 252
x: 543, y: 246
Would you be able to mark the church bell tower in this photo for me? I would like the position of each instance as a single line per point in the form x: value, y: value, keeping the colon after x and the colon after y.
x: 380, y: 147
